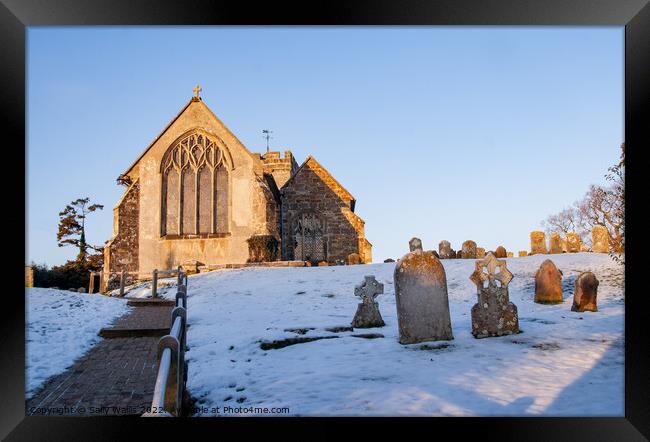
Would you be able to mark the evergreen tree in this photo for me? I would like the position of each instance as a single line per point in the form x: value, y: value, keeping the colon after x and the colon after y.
x: 72, y: 226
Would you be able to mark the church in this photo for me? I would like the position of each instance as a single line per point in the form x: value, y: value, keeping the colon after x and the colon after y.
x: 198, y: 197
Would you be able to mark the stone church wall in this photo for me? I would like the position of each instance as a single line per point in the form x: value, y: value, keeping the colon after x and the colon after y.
x: 121, y: 253
x: 311, y: 191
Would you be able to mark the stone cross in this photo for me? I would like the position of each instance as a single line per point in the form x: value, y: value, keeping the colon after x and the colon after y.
x: 369, y: 289
x: 196, y: 90
x: 493, y: 314
x: 368, y: 315
x: 490, y: 263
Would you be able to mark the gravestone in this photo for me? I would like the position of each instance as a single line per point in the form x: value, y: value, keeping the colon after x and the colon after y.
x: 500, y: 252
x: 573, y: 242
x: 493, y: 314
x: 459, y: 254
x: 585, y: 293
x: 537, y: 243
x: 323, y: 264
x: 480, y: 252
x: 555, y: 243
x: 563, y: 244
x: 548, y: 284
x: 468, y: 250
x: 368, y: 315
x: 434, y: 253
x: 510, y: 255
x: 584, y: 248
x: 444, y: 250
x: 81, y: 290
x: 415, y: 244
x: 389, y: 260
x: 599, y: 239
x: 523, y: 253
x: 353, y: 259
x: 421, y: 299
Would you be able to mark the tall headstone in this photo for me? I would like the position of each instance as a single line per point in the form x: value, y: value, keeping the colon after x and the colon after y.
x: 537, y: 243
x: 500, y: 252
x: 555, y: 243
x: 421, y: 299
x: 573, y: 242
x: 493, y: 314
x: 444, y: 250
x: 585, y: 293
x: 548, y: 284
x: 415, y: 244
x: 480, y: 252
x: 599, y: 239
x: 468, y: 250
x: 368, y: 315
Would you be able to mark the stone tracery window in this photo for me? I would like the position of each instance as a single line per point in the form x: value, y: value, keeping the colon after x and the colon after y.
x: 195, y: 187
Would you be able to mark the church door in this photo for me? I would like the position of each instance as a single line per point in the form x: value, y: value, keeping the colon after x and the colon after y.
x: 309, y: 238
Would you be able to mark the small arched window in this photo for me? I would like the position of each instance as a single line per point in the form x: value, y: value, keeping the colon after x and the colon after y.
x: 195, y: 186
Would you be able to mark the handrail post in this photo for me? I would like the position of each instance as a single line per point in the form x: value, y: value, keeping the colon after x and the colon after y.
x: 154, y: 284
x: 122, y: 281
x: 180, y: 275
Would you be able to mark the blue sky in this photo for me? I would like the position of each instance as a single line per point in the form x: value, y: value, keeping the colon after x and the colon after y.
x: 439, y: 132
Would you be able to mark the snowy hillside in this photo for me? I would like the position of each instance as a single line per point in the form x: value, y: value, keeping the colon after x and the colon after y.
x: 563, y: 363
x: 60, y: 327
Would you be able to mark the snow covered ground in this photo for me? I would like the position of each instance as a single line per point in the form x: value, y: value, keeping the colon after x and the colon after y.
x: 60, y: 327
x: 563, y: 364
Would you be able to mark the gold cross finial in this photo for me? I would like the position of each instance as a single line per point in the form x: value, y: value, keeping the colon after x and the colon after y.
x: 196, y: 90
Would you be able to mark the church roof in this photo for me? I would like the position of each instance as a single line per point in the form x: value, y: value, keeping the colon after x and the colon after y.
x: 337, y: 188
x: 194, y: 99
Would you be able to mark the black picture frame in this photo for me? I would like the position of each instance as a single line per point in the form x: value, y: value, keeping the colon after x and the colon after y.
x: 16, y: 15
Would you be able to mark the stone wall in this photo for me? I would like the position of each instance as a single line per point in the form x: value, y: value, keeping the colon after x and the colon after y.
x: 121, y: 252
x: 313, y: 190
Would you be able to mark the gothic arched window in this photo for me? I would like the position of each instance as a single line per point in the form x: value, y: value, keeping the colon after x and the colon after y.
x: 195, y: 186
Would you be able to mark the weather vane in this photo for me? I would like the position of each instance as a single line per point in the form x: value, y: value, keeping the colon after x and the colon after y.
x: 267, y: 134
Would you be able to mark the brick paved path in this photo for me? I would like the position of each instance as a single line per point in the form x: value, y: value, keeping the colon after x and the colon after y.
x: 115, y: 377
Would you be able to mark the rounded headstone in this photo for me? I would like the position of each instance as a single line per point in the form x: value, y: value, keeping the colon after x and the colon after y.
x: 468, y: 250
x: 389, y: 260
x: 548, y: 284
x: 421, y: 299
x: 500, y: 252
x: 585, y: 293
x: 444, y: 250
x: 415, y: 244
x: 510, y: 255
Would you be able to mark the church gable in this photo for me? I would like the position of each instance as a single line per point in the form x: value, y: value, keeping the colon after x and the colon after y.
x: 311, y: 167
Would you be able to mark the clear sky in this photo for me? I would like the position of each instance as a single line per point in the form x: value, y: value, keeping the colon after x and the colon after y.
x: 439, y: 132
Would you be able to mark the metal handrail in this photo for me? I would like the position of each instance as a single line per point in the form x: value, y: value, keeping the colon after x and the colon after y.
x: 170, y: 381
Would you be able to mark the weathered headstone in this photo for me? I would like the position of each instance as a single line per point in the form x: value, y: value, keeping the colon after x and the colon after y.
x: 368, y: 315
x: 548, y: 284
x: 573, y: 242
x: 599, y: 239
x: 444, y: 250
x: 480, y: 252
x: 415, y: 244
x: 322, y: 264
x: 493, y: 314
x: 585, y: 293
x: 353, y: 259
x: 510, y: 255
x: 459, y: 254
x: 523, y: 253
x: 537, y: 243
x: 421, y: 299
x: 389, y: 260
x: 555, y: 243
x: 500, y: 252
x: 468, y: 250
